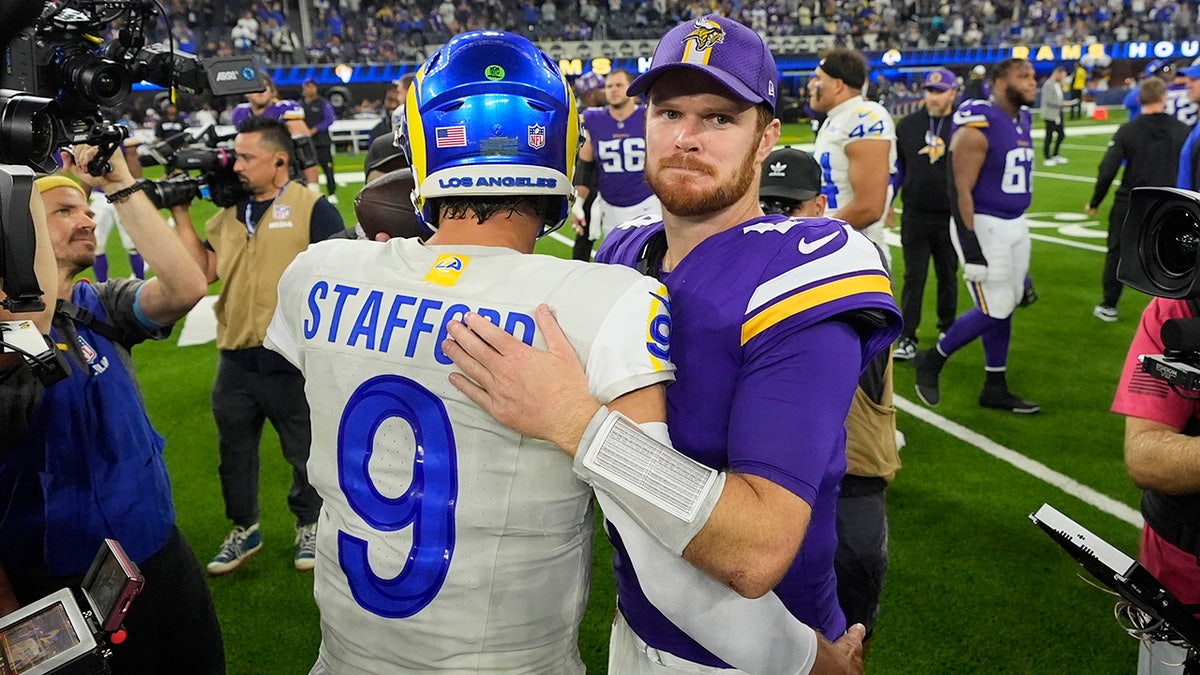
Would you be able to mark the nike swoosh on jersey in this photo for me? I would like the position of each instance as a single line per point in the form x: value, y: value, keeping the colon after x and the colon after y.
x: 807, y: 247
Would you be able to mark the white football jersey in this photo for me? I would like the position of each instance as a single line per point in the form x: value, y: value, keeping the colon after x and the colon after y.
x: 448, y: 542
x: 855, y: 119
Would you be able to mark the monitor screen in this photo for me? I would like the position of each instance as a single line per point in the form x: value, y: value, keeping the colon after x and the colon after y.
x: 36, y: 639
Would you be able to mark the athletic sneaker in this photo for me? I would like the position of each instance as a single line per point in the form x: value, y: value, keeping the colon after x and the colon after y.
x: 332, y: 199
x: 1049, y: 161
x: 1059, y: 159
x: 1105, y: 313
x: 929, y: 368
x: 1001, y: 398
x: 306, y: 547
x: 906, y: 349
x: 241, y: 543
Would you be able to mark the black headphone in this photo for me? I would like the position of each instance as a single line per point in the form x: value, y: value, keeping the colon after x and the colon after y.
x: 278, y: 162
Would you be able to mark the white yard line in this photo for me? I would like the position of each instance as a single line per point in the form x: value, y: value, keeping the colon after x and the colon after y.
x: 1032, y: 467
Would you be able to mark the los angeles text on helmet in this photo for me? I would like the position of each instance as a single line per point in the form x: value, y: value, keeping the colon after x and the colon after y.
x: 496, y: 181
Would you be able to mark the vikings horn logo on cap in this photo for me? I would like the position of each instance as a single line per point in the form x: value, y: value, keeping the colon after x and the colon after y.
x: 698, y: 44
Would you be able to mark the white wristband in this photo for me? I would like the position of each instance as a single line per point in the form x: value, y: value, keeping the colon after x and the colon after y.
x: 669, y: 495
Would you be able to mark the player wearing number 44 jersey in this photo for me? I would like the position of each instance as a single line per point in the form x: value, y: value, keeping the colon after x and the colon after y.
x: 991, y: 155
x: 856, y: 146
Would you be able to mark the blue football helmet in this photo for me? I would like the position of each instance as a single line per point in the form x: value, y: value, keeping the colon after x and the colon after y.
x: 489, y: 114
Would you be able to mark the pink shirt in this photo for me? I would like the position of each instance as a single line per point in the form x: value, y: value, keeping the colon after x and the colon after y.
x: 1140, y: 395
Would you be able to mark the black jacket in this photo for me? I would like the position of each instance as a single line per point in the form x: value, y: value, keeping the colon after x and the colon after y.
x: 1149, y: 147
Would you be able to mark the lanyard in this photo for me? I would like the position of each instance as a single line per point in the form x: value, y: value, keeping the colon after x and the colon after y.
x: 251, y: 226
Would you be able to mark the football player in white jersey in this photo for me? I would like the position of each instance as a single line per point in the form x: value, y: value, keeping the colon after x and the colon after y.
x: 856, y: 145
x: 448, y: 542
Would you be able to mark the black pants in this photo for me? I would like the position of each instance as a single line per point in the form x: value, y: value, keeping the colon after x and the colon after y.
x: 582, y: 249
x: 1108, y: 280
x: 861, y: 560
x: 1053, y: 129
x: 172, y: 625
x: 922, y: 236
x: 242, y: 400
x: 325, y: 159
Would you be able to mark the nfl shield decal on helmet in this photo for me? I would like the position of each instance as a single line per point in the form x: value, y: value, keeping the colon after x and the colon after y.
x: 537, y: 136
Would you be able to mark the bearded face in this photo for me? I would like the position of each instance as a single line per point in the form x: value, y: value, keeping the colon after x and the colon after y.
x: 689, y: 188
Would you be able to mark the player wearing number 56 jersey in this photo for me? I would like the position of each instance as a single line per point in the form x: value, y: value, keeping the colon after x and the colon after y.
x: 614, y: 149
x: 856, y: 145
x: 991, y: 159
x: 447, y: 542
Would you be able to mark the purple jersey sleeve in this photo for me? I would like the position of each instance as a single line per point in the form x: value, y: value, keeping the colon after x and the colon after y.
x: 620, y: 152
x: 283, y: 110
x: 624, y: 245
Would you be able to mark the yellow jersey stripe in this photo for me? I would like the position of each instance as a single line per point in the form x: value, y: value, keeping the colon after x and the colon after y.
x: 835, y: 290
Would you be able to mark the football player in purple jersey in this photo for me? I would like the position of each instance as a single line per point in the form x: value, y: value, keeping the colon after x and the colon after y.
x: 614, y: 152
x: 773, y: 321
x: 268, y: 104
x: 991, y: 159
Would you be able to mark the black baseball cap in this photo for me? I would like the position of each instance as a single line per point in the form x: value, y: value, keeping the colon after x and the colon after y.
x: 792, y: 174
x: 384, y: 156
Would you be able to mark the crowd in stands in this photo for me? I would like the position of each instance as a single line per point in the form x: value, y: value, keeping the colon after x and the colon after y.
x: 387, y: 31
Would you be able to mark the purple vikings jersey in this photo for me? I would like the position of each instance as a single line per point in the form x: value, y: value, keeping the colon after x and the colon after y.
x: 620, y: 148
x: 761, y: 386
x: 1005, y: 185
x: 279, y: 109
x: 1180, y: 106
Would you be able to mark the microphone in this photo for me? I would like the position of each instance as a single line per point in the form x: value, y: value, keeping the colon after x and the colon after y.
x: 1181, y: 335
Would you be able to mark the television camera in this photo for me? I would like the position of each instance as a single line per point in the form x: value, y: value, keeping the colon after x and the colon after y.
x: 59, y: 74
x: 1160, y: 255
x: 185, y: 152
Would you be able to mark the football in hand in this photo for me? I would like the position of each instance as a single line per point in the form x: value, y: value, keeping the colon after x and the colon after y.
x: 385, y: 205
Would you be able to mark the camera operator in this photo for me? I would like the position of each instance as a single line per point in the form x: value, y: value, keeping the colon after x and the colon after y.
x: 79, y: 459
x: 1162, y: 454
x: 249, y: 245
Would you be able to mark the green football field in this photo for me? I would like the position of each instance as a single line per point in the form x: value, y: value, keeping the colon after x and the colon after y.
x: 974, y: 586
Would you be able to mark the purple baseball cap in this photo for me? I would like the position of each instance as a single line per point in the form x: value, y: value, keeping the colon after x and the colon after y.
x: 941, y: 80
x: 732, y: 54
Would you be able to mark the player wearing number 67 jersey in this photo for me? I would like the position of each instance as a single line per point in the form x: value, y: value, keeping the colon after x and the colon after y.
x: 856, y: 145
x: 447, y: 542
x: 614, y: 151
x: 991, y: 155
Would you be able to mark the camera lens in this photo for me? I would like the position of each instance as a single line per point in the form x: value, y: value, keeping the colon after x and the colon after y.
x: 1176, y: 242
x: 170, y: 192
x: 28, y: 125
x: 97, y: 80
